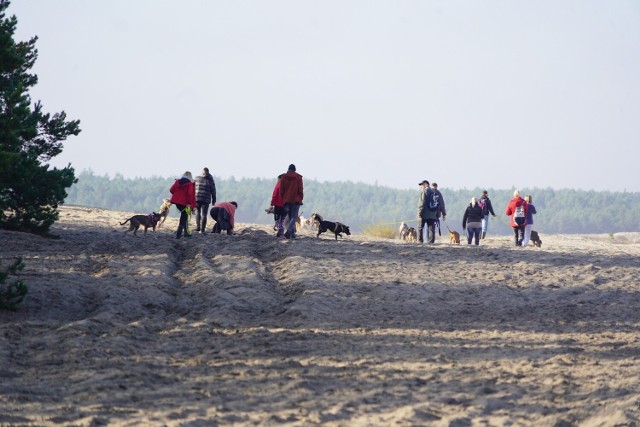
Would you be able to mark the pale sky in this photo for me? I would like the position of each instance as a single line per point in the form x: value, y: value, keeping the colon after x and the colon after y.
x: 493, y: 94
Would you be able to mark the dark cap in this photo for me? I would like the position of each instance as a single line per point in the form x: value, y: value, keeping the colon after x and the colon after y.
x: 424, y: 181
x: 292, y: 167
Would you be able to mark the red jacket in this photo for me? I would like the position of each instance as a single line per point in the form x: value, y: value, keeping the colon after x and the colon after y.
x: 276, y: 198
x: 183, y: 192
x: 511, y: 209
x: 231, y: 210
x: 291, y: 188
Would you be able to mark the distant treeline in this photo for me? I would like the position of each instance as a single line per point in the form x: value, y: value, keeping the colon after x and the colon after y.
x: 360, y: 205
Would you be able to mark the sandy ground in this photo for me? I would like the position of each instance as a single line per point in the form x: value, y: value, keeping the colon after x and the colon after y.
x: 251, y: 330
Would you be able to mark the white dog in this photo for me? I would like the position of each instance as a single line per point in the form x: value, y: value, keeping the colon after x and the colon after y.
x: 403, y: 231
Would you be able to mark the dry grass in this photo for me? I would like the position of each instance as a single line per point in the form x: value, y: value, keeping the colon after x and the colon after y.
x: 380, y: 230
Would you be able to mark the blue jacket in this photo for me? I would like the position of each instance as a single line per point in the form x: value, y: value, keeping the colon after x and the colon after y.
x: 530, y: 212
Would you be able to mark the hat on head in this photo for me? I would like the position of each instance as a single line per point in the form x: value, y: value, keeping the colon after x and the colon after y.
x: 292, y: 167
x: 424, y: 181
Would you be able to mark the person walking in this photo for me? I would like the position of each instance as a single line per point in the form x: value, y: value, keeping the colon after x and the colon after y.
x: 183, y: 195
x: 441, y: 209
x: 487, y: 208
x: 517, y: 212
x: 277, y: 204
x: 530, y: 212
x: 224, y: 214
x: 426, y: 213
x: 472, y: 221
x: 205, y: 195
x: 291, y: 190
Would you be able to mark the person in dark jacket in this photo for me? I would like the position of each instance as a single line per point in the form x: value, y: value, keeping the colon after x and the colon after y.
x: 183, y: 195
x: 291, y: 190
x: 487, y: 208
x: 472, y: 221
x: 205, y: 195
x: 530, y: 212
x: 426, y: 214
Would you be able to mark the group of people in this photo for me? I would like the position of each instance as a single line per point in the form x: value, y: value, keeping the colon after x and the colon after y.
x: 475, y: 221
x: 188, y: 195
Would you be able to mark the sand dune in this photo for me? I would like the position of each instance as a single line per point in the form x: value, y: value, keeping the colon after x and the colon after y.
x: 251, y: 330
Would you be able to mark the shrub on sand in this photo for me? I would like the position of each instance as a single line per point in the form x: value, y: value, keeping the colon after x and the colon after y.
x: 380, y: 230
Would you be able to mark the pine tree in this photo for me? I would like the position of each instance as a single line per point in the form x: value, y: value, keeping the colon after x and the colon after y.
x: 30, y: 191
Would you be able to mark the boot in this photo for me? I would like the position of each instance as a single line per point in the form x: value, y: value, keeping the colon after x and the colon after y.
x: 484, y: 234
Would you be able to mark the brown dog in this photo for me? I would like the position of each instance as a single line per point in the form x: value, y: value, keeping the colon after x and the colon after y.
x: 454, y: 237
x: 412, y: 235
x: 535, y: 238
x: 142, y: 220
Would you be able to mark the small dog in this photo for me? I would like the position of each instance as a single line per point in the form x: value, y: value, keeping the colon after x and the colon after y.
x: 300, y: 222
x: 412, y: 235
x: 335, y: 227
x: 403, y: 231
x: 314, y: 222
x: 164, y: 210
x: 454, y: 236
x: 535, y: 238
x: 142, y: 220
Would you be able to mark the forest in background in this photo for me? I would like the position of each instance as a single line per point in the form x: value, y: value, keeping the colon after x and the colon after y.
x: 360, y: 205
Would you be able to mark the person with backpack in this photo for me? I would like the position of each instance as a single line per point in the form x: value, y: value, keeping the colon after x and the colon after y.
x: 427, y: 208
x: 472, y: 221
x: 517, y: 212
x: 487, y: 209
x: 441, y: 209
x: 530, y: 212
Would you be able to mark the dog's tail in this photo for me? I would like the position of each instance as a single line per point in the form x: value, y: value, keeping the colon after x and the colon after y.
x: 123, y: 223
x: 448, y: 228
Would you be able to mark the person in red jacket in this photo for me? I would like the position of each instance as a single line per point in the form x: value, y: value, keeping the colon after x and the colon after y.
x: 517, y: 211
x: 224, y: 214
x: 292, y: 194
x: 183, y: 195
x: 278, y: 208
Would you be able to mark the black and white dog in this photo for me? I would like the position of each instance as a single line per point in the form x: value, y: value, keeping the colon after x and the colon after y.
x: 335, y: 227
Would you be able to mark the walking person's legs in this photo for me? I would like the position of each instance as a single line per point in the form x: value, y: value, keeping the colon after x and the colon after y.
x: 469, y: 235
x: 182, y: 224
x: 527, y: 235
x: 476, y: 232
x: 293, y: 214
x: 431, y: 232
x: 485, y: 225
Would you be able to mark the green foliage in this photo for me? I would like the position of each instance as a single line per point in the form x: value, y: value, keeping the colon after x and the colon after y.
x: 362, y: 205
x: 12, y: 294
x: 30, y: 191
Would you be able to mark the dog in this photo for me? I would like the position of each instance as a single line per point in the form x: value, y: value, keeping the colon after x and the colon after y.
x: 402, y: 232
x: 300, y: 221
x: 146, y: 221
x: 412, y: 235
x: 336, y: 227
x: 163, y: 211
x: 535, y: 238
x: 314, y: 220
x: 454, y: 237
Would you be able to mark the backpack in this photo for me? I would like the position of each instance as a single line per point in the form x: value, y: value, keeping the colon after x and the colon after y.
x: 519, y: 217
x: 483, y: 206
x: 433, y: 203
